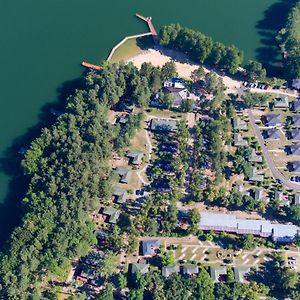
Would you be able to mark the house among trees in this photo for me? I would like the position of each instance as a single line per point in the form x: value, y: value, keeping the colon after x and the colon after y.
x: 163, y: 125
x: 293, y: 149
x: 190, y: 270
x: 150, y: 247
x: 272, y: 120
x: 254, y: 176
x: 124, y: 175
x: 296, y: 84
x: 111, y: 214
x: 141, y: 268
x: 239, y: 141
x: 258, y: 194
x: 296, y: 105
x: 294, y: 166
x: 296, y: 120
x: 122, y: 119
x: 239, y: 124
x: 272, y: 134
x: 297, y: 199
x: 169, y: 147
x: 282, y: 102
x: 119, y: 195
x: 167, y: 271
x: 254, y: 157
x: 162, y: 185
x: 240, y: 273
x: 135, y: 157
x: 218, y: 273
x: 176, y: 87
x: 295, y: 134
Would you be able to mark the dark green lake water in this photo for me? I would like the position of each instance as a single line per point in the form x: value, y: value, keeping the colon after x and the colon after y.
x: 43, y: 42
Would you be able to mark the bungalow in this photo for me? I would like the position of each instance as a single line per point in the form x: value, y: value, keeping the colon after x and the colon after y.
x: 135, y: 157
x: 272, y: 120
x: 295, y: 134
x: 253, y: 176
x: 112, y: 214
x: 218, y: 273
x: 258, y: 194
x: 169, y: 147
x: 254, y: 157
x: 167, y: 271
x: 297, y: 199
x: 126, y: 106
x: 294, y: 149
x: 122, y: 119
x: 284, y: 233
x: 282, y: 102
x: 120, y: 195
x: 163, y: 125
x: 240, y: 187
x: 162, y: 185
x: 296, y: 84
x: 294, y: 166
x: 296, y: 105
x: 124, y: 174
x: 239, y: 124
x: 239, y: 141
x: 240, y: 273
x: 278, y: 195
x: 296, y: 120
x: 190, y: 270
x: 177, y: 88
x: 141, y: 268
x: 150, y: 247
x: 272, y: 134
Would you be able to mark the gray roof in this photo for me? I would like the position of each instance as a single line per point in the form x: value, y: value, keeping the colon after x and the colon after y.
x: 239, y: 124
x: 278, y: 195
x: 124, y: 174
x: 135, y: 156
x: 295, y: 165
x: 123, y: 119
x: 272, y: 119
x: 149, y: 247
x: 140, y: 268
x: 230, y: 223
x: 296, y: 84
x: 215, y: 272
x: 254, y: 176
x: 253, y: 157
x: 258, y: 195
x: 294, y: 149
x: 120, y: 194
x: 175, y: 83
x: 178, y: 94
x: 296, y: 105
x: 273, y: 134
x: 167, y: 271
x: 296, y: 120
x: 295, y: 134
x: 113, y: 214
x: 165, y: 125
x: 240, y: 272
x: 297, y: 199
x: 190, y: 269
x: 239, y: 140
x: 282, y: 102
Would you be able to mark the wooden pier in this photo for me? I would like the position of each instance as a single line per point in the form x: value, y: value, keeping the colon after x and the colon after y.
x: 148, y: 20
x: 91, y: 66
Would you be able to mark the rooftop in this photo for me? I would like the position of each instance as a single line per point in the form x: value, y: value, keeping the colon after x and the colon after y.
x: 239, y: 141
x: 163, y: 125
x: 135, y: 156
x: 149, y: 247
x: 124, y: 174
x: 217, y: 272
x: 113, y: 214
x: 273, y: 134
x: 239, y: 124
x: 282, y: 102
x: 272, y: 119
x: 142, y: 268
x: 120, y: 194
x: 167, y: 271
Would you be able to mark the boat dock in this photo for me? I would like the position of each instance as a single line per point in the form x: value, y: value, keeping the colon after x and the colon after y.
x: 91, y: 66
x: 148, y: 20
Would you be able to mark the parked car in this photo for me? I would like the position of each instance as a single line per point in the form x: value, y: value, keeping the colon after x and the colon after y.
x: 267, y: 87
x: 295, y: 179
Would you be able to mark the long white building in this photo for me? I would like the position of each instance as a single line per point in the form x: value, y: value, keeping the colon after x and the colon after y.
x: 263, y: 228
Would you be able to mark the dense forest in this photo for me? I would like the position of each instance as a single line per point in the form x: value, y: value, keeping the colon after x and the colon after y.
x: 70, y: 177
x: 289, y: 41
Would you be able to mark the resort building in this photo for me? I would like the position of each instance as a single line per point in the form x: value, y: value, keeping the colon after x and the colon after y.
x: 272, y: 120
x: 296, y: 84
x: 297, y: 199
x: 296, y: 120
x: 163, y: 125
x: 294, y: 149
x: 254, y: 157
x: 122, y: 119
x: 282, y: 102
x: 111, y: 214
x: 240, y: 273
x: 295, y: 134
x: 239, y: 124
x: 177, y: 88
x: 150, y: 247
x: 142, y: 268
x: 294, y: 166
x: 239, y: 141
x: 263, y: 228
x: 124, y: 175
x: 190, y: 270
x: 167, y: 271
x: 254, y: 176
x: 135, y: 157
x: 296, y: 105
x: 272, y: 134
x: 119, y: 195
x: 218, y: 273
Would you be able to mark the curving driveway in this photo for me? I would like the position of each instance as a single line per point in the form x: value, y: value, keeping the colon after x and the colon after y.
x: 275, y: 173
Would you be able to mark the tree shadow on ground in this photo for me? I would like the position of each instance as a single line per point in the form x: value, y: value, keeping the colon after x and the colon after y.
x: 145, y: 42
x: 11, y: 210
x: 274, y: 19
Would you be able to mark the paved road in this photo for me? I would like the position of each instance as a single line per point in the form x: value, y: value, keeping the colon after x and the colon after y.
x: 275, y: 173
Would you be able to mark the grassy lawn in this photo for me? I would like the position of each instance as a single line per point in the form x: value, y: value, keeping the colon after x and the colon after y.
x: 163, y: 113
x: 131, y: 47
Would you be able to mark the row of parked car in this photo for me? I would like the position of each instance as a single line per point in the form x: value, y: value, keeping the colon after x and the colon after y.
x: 261, y: 86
